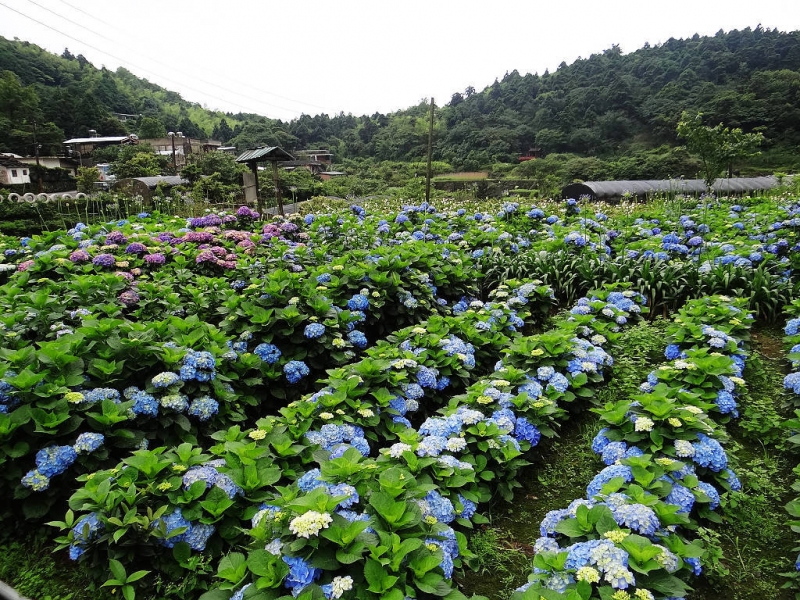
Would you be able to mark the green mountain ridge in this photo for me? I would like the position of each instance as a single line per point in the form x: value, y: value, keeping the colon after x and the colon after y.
x: 609, y: 105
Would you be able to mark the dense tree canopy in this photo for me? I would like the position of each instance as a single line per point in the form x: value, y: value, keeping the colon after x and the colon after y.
x: 613, y: 106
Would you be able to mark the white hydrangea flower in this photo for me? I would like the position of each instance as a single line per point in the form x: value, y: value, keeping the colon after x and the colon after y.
x: 310, y: 523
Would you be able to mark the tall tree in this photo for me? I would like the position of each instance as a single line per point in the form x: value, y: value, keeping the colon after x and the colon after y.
x: 716, y: 146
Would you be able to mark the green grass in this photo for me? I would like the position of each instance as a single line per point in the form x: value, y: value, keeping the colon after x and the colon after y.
x: 28, y: 564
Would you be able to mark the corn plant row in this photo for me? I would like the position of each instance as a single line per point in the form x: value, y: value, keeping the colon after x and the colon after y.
x: 368, y: 404
x: 627, y: 538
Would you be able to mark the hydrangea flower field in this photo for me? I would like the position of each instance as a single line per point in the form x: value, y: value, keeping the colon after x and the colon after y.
x: 227, y: 407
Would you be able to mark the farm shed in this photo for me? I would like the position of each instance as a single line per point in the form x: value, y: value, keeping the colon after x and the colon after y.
x: 144, y: 186
x: 607, y: 190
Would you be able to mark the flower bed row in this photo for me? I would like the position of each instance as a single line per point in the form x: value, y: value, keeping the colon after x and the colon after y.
x: 792, y: 384
x: 187, y: 394
x: 377, y: 520
x: 666, y: 471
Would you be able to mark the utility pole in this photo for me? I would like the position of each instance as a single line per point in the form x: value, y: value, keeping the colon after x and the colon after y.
x: 277, y: 187
x: 36, y: 150
x: 430, y: 145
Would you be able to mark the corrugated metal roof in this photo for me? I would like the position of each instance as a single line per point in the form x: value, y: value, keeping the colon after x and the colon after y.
x: 152, y: 182
x: 264, y: 153
x: 611, y: 189
x: 97, y: 140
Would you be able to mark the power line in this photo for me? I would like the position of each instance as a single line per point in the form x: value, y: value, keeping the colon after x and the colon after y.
x: 158, y: 62
x: 238, y: 83
x: 138, y: 66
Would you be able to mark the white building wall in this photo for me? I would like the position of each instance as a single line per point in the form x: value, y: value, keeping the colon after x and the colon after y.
x: 14, y: 175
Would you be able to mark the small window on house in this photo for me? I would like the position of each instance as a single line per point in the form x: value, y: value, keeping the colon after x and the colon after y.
x: 24, y: 172
x: 13, y: 172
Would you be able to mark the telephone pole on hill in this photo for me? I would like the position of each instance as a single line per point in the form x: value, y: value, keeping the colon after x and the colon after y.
x: 430, y: 145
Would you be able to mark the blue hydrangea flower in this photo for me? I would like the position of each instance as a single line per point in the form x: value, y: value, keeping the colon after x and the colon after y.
x: 559, y: 383
x: 36, y: 481
x: 165, y: 380
x: 295, y: 370
x: 203, y: 408
x: 358, y: 339
x: 88, y: 442
x: 712, y: 493
x: 681, y: 497
x: 709, y: 453
x: 172, y: 523
x: 144, y: 404
x: 269, y: 353
x: 638, y: 517
x: 606, y: 475
x: 426, y: 377
x: 84, y: 531
x: 301, y: 574
x: 436, y: 505
x: 358, y: 302
x: 314, y: 331
x: 54, y: 460
x: 613, y: 452
x: 197, y: 536
x: 726, y: 403
x: 469, y: 508
x: 600, y: 441
x: 523, y: 430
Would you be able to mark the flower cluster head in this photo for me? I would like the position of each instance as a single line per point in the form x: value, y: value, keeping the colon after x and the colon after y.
x: 245, y: 212
x: 136, y: 248
x: 195, y: 534
x: 310, y: 523
x: 314, y: 331
x: 88, y: 442
x: 79, y: 256
x: 426, y: 377
x: 36, y: 481
x: 338, y: 586
x: 295, y: 370
x: 100, y: 394
x: 85, y: 530
x: 437, y: 506
x: 209, y: 474
x: 199, y: 366
x: 358, y: 302
x: 301, y: 574
x: 606, y: 475
x: 54, y: 460
x: 269, y: 353
x: 104, y: 260
x: 358, y: 339
x: 332, y: 437
x: 637, y: 517
x: 709, y: 453
x: 203, y: 408
x: 166, y: 379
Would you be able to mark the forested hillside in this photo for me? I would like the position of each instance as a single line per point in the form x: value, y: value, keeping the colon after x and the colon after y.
x: 610, y: 105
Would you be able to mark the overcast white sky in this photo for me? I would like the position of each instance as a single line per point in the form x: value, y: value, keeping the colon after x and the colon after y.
x: 281, y: 59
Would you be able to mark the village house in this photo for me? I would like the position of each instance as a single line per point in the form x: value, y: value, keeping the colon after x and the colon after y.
x: 12, y: 171
x: 82, y: 148
x: 183, y: 147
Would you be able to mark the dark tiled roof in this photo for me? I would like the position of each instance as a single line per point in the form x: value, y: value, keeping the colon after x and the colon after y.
x: 11, y: 163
